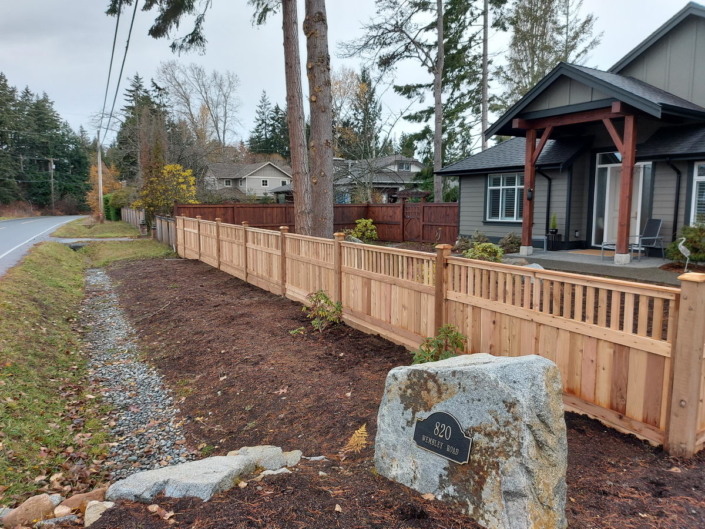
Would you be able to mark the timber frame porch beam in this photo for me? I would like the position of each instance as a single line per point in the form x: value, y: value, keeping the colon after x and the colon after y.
x: 617, y: 110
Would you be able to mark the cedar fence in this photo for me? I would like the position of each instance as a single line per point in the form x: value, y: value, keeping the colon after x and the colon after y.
x: 399, y: 222
x: 165, y: 231
x: 630, y: 354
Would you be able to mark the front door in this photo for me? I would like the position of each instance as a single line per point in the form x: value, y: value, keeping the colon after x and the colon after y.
x: 606, y: 211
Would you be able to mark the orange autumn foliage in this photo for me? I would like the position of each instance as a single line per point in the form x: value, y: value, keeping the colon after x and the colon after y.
x: 110, y: 184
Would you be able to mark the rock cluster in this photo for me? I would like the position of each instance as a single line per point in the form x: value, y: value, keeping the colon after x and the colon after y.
x: 510, y: 408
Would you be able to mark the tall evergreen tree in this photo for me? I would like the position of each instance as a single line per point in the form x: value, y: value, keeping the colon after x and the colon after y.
x: 260, y: 140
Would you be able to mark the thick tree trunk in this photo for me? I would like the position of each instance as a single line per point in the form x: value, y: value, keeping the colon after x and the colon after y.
x: 303, y: 219
x: 485, y: 71
x: 437, y: 94
x: 320, y: 100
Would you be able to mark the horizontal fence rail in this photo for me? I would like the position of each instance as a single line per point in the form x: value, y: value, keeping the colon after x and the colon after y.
x: 398, y: 222
x: 615, y: 342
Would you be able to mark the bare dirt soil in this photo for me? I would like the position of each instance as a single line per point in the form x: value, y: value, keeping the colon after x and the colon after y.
x: 227, y: 350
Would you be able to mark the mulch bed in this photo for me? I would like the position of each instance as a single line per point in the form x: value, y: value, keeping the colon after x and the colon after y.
x: 226, y: 350
x: 678, y: 267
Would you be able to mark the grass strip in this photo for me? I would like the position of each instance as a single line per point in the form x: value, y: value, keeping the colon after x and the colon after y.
x: 51, y: 419
x: 85, y: 228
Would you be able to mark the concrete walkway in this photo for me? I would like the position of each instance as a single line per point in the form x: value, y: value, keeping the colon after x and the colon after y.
x: 645, y: 271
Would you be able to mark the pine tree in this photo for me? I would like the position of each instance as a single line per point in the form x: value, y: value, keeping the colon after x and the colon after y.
x: 260, y: 140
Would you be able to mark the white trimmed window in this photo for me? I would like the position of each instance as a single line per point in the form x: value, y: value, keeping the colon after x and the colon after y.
x: 505, y: 194
x: 241, y: 182
x: 265, y: 183
x: 228, y: 183
x: 403, y: 166
x: 698, y: 206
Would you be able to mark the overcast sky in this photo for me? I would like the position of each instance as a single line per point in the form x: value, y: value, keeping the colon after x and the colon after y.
x: 62, y: 47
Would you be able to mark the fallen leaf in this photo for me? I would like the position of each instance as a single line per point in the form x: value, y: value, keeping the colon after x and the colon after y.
x: 242, y: 484
x: 338, y: 508
x: 675, y: 470
x: 429, y: 496
x: 153, y: 508
x: 283, y: 390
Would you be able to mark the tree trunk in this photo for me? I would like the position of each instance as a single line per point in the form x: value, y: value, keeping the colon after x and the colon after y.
x: 303, y: 218
x: 437, y: 94
x: 320, y: 100
x: 485, y: 72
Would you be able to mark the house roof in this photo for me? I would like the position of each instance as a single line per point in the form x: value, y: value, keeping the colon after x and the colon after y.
x: 674, y: 142
x: 638, y: 94
x: 509, y: 155
x: 282, y: 189
x: 240, y: 170
x: 691, y: 9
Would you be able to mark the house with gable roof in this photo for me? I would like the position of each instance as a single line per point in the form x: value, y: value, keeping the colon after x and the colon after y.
x: 241, y: 179
x: 605, y: 151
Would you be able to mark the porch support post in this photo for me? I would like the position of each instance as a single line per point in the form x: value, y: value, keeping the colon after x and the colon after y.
x: 527, y: 221
x: 622, y: 255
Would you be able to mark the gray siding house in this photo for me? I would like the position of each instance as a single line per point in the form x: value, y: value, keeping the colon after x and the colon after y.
x: 584, y: 129
x: 258, y: 179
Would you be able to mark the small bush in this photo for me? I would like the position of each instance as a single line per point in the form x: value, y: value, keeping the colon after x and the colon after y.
x: 479, y: 238
x: 365, y: 230
x: 554, y: 221
x: 109, y: 211
x: 694, y: 241
x: 511, y: 243
x: 322, y: 311
x: 447, y: 344
x: 463, y: 244
x: 485, y: 252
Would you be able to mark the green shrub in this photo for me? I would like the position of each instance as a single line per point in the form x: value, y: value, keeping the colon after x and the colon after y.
x: 365, y: 230
x: 694, y: 241
x: 463, y: 244
x: 447, y: 343
x: 479, y: 238
x: 123, y: 197
x: 485, y: 251
x: 109, y: 211
x: 322, y: 311
x: 554, y: 221
x: 511, y: 243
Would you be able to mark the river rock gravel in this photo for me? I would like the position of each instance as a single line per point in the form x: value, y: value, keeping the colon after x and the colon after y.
x: 143, y: 420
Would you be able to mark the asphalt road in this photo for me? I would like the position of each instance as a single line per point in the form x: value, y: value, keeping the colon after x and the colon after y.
x: 19, y: 235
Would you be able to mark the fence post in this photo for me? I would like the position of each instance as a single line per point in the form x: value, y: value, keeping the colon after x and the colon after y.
x: 442, y: 253
x: 245, y: 225
x: 338, y: 267
x: 198, y: 234
x: 687, y: 375
x: 282, y: 256
x: 217, y: 242
x: 403, y: 220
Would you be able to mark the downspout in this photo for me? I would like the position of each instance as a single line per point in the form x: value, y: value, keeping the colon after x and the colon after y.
x: 678, y: 197
x: 548, y: 200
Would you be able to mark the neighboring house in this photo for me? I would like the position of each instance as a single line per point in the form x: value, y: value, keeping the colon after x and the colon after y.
x: 384, y: 176
x: 246, y: 179
x: 585, y: 130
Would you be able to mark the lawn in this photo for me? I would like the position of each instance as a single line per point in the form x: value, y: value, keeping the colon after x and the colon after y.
x: 85, y: 228
x: 50, y: 415
x: 248, y: 370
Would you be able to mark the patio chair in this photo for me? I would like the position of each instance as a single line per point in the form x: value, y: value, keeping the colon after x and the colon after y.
x: 649, y: 238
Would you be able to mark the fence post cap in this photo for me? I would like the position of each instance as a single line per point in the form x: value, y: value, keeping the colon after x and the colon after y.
x: 284, y: 229
x: 245, y: 223
x: 339, y: 236
x: 198, y: 217
x: 217, y: 219
x: 693, y: 277
x: 444, y: 247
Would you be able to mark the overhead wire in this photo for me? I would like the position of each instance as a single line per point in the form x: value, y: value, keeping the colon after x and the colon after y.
x: 122, y: 66
x: 110, y: 68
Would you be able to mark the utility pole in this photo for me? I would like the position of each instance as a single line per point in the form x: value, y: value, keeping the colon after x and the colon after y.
x: 101, y: 213
x: 485, y: 72
x: 51, y: 175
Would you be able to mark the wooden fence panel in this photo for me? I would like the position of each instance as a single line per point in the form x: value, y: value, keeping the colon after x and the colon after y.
x: 389, y: 291
x: 180, y: 237
x: 389, y: 221
x: 439, y: 223
x: 309, y: 266
x: 264, y: 259
x: 209, y: 243
x: 191, y: 242
x: 608, y: 338
x: 232, y: 254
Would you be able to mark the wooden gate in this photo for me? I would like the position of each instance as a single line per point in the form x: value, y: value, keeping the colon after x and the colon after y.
x: 412, y: 222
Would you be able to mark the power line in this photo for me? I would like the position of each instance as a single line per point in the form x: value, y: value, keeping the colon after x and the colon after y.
x: 122, y: 66
x: 110, y: 69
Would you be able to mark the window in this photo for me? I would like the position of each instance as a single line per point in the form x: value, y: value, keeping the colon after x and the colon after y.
x: 265, y: 183
x: 284, y: 182
x: 403, y: 166
x: 241, y: 182
x: 698, y: 207
x: 505, y: 197
x: 228, y: 183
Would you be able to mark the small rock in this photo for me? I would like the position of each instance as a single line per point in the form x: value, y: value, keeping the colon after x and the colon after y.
x: 56, y: 499
x: 78, y: 502
x: 535, y: 266
x: 292, y: 458
x: 71, y: 518
x: 264, y: 473
x: 316, y: 458
x: 516, y: 261
x: 321, y: 473
x: 34, y: 509
x: 61, y: 511
x: 94, y: 510
x: 265, y: 456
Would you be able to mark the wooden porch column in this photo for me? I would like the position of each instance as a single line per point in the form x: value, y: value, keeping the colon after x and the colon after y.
x: 622, y: 255
x: 527, y: 222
